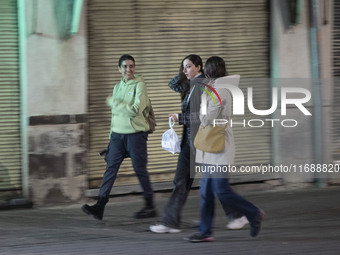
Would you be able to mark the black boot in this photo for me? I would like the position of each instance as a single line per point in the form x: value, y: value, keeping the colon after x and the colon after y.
x: 96, y: 210
x: 148, y: 211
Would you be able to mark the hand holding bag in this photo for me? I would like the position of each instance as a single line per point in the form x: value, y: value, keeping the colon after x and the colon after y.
x: 170, y: 140
x: 210, y: 139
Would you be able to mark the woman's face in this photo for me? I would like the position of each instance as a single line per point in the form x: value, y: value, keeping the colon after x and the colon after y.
x: 190, y: 70
x: 127, y: 69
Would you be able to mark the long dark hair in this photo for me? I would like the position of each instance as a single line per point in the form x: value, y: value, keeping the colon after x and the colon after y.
x: 197, y: 61
x: 184, y: 81
x: 215, y: 67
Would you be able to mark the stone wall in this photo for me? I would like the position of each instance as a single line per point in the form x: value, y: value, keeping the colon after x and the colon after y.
x: 56, y: 161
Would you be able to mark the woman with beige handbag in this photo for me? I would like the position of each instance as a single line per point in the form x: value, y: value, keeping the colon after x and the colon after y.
x: 217, y: 183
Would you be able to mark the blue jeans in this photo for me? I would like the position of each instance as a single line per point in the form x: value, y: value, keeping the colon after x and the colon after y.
x: 120, y: 146
x: 228, y: 198
x: 182, y: 184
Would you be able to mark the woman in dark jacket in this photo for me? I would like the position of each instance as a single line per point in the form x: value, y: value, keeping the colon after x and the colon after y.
x: 190, y: 70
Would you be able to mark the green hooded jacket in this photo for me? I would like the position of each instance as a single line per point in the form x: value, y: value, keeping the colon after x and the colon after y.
x: 128, y: 102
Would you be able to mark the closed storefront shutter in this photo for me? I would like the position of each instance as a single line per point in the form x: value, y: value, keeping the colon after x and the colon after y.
x: 159, y: 34
x: 336, y: 39
x: 10, y: 146
x: 336, y: 74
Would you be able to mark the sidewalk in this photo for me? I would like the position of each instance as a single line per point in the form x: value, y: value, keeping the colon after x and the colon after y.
x: 304, y: 221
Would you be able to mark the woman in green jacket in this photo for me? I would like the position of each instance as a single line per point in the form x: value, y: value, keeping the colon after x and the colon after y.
x: 128, y: 137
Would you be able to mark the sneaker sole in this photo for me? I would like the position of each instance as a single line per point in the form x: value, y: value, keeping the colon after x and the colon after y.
x: 238, y: 227
x: 207, y: 239
x: 168, y: 231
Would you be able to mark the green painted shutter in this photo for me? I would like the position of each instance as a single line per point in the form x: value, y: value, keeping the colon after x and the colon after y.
x: 10, y: 146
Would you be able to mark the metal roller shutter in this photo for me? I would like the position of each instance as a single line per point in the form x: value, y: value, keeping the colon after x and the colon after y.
x: 336, y: 39
x: 159, y: 34
x: 10, y: 146
x: 336, y: 73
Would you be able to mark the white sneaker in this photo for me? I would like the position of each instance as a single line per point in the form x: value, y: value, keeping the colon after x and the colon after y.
x: 161, y: 229
x: 237, y: 223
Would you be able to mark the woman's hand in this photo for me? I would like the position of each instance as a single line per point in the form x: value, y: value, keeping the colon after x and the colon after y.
x: 174, y: 116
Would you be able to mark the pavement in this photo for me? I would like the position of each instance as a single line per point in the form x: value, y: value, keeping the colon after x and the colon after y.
x: 298, y: 221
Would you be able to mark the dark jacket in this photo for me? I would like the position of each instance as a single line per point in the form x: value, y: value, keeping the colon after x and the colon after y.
x: 189, y: 117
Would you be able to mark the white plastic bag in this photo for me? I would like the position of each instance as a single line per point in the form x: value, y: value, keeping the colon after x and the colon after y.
x: 170, y: 140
